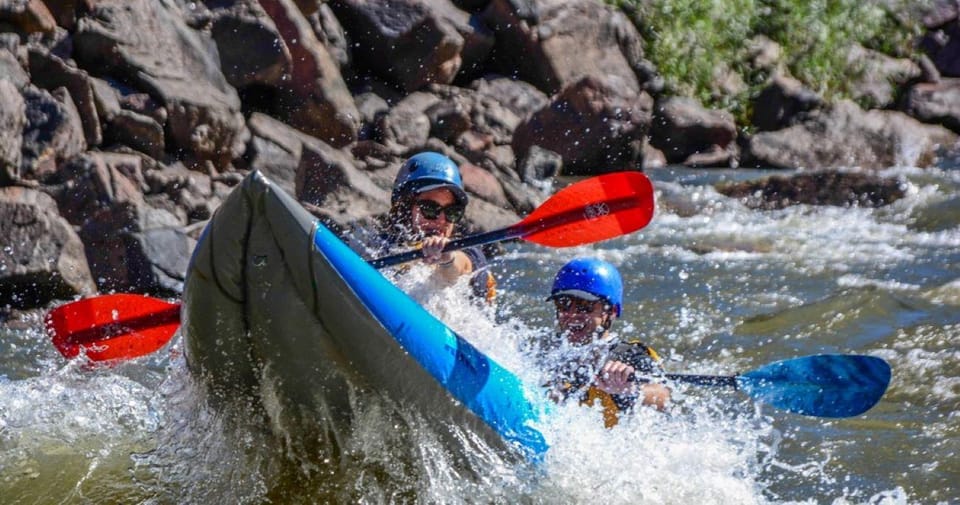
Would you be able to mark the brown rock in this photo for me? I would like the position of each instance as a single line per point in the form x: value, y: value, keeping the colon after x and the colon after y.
x: 425, y: 41
x: 596, y: 127
x: 689, y: 134
x: 321, y: 104
x: 27, y: 16
x: 842, y: 189
x: 536, y: 39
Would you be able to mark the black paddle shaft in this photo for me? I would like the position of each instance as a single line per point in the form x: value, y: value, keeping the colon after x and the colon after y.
x: 700, y: 380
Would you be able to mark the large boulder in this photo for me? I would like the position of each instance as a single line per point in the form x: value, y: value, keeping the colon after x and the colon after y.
x: 937, y: 103
x: 315, y: 99
x: 879, y: 76
x: 536, y: 40
x: 149, y: 45
x: 843, y: 189
x: 51, y: 72
x: 136, y: 248
x: 593, y: 124
x: 27, y: 16
x: 784, y: 102
x: 425, y: 41
x: 42, y: 257
x: 942, y: 40
x: 12, y: 121
x: 53, y: 132
x: 688, y: 133
x: 251, y: 47
x: 847, y: 136
x: 329, y: 181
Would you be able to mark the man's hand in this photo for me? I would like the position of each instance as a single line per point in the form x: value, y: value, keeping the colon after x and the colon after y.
x: 614, y: 378
x: 432, y: 248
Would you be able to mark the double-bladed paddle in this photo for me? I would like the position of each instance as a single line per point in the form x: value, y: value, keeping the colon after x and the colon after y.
x: 589, y: 211
x: 824, y: 385
x: 123, y: 326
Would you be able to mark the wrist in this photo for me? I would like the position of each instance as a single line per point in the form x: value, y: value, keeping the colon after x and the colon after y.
x: 447, y: 263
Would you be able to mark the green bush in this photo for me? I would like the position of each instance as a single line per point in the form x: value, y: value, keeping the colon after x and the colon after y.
x: 696, y: 43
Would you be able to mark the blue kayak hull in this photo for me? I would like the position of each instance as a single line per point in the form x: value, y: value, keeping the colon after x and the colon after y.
x: 278, y: 312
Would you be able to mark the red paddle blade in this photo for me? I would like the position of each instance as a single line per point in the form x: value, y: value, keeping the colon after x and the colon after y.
x: 110, y: 327
x: 595, y: 209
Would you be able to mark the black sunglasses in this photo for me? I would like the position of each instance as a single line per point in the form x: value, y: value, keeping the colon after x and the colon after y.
x: 432, y: 210
x: 565, y: 303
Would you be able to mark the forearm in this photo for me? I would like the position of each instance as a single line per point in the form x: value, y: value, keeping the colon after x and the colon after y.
x: 451, y: 270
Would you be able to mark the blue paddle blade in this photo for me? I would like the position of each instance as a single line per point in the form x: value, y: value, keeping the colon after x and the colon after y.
x: 825, y: 385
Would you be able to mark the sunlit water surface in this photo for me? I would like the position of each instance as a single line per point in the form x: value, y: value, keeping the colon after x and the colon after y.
x: 715, y: 287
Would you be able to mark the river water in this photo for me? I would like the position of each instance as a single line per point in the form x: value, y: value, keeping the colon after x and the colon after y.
x: 714, y: 287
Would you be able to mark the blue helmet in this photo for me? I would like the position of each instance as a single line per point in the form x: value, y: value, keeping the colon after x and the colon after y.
x: 426, y: 171
x: 590, y: 279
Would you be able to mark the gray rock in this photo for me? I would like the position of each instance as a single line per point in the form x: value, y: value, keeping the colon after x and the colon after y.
x: 937, y: 103
x: 53, y: 132
x: 42, y: 258
x: 149, y: 44
x: 12, y: 122
x: 847, y: 136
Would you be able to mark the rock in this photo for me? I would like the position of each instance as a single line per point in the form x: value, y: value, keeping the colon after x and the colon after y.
x: 53, y: 132
x: 879, y: 76
x: 138, y: 131
x: 847, y: 136
x: 937, y: 103
x: 328, y: 180
x: 942, y: 40
x: 27, y: 16
x: 42, y: 258
x: 540, y: 165
x: 318, y: 102
x: 275, y: 150
x: 689, y: 134
x: 535, y: 40
x: 90, y: 185
x: 188, y: 195
x: 50, y: 72
x: 783, y: 103
x: 12, y: 122
x: 149, y: 45
x: 842, y: 189
x: 64, y: 12
x: 135, y: 248
x: 484, y: 185
x: 11, y: 70
x: 330, y: 33
x: 519, y: 97
x: 250, y: 46
x: 406, y: 126
x: 595, y: 126
x: 425, y: 41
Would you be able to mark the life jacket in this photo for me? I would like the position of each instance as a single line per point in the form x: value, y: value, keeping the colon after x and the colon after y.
x: 632, y: 352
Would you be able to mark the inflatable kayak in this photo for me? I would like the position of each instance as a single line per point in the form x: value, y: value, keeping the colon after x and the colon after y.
x: 278, y: 310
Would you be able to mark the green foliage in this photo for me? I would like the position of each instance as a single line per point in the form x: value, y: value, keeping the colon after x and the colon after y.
x: 697, y: 45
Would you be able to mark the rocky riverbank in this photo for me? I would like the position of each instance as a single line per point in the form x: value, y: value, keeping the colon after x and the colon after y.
x: 123, y: 123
